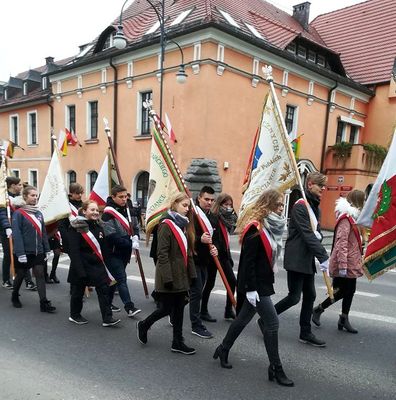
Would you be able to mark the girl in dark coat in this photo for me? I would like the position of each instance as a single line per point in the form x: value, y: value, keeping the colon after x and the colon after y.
x: 85, y: 245
x: 174, y: 271
x: 31, y: 247
x: 262, y: 226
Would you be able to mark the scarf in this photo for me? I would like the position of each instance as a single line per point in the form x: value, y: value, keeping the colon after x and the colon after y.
x: 80, y: 224
x: 180, y: 220
x: 229, y: 218
x: 30, y: 209
x: 275, y: 224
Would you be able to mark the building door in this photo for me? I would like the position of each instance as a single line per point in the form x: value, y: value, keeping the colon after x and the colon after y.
x: 142, y: 184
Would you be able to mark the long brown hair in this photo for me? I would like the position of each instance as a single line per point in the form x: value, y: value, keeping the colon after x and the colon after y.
x: 221, y: 199
x: 356, y: 198
x: 190, y: 231
x: 264, y: 205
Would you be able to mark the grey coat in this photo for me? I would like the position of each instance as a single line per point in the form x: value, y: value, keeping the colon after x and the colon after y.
x: 302, y: 246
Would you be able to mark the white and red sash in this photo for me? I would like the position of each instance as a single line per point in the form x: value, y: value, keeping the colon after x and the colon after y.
x: 354, y: 228
x: 74, y: 211
x: 264, y: 239
x: 312, y: 216
x: 225, y: 233
x: 33, y: 220
x: 119, y: 217
x: 205, y: 220
x: 180, y: 238
x: 95, y: 246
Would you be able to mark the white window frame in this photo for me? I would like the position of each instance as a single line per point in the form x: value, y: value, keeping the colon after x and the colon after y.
x: 18, y: 172
x: 291, y: 48
x: 228, y: 18
x: 68, y: 176
x: 293, y: 133
x: 322, y: 58
x: 29, y: 128
x: 44, y: 83
x: 11, y: 130
x: 181, y: 17
x: 303, y: 49
x: 88, y: 180
x: 139, y: 103
x: 220, y: 52
x: 67, y: 115
x: 30, y: 171
x: 88, y: 135
x: 153, y: 28
x: 310, y: 54
x: 356, y: 141
x: 254, y: 31
x: 5, y: 94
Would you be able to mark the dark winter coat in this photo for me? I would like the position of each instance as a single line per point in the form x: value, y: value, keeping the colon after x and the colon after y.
x: 64, y: 224
x: 255, y: 271
x: 25, y: 237
x: 170, y: 265
x: 302, y: 246
x: 4, y: 223
x: 219, y: 241
x: 86, y: 267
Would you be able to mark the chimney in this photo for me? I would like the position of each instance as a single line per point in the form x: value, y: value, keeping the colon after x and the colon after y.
x: 301, y: 13
x: 49, y: 60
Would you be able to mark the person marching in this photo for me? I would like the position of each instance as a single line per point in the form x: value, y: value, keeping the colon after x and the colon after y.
x: 261, y: 234
x: 223, y: 218
x: 55, y: 243
x: 31, y: 246
x: 174, y: 271
x: 303, y: 244
x: 120, y: 245
x: 345, y: 259
x: 87, y: 268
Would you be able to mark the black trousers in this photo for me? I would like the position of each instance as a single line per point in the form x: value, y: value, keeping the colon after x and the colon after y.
x: 76, y: 300
x: 211, y: 280
x: 344, y: 288
x: 169, y: 304
x: 299, y: 283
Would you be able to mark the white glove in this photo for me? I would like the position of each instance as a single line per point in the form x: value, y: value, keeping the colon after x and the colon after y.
x: 47, y: 255
x: 342, y: 273
x: 318, y: 235
x: 8, y: 232
x: 324, y: 266
x: 22, y: 259
x: 252, y: 297
x: 135, y: 242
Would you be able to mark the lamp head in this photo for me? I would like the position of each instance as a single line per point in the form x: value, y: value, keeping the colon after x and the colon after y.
x: 119, y: 40
x: 181, y: 75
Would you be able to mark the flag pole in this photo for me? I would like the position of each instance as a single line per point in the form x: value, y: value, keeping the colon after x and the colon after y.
x: 137, y: 253
x: 267, y: 70
x: 159, y: 129
x: 8, y: 208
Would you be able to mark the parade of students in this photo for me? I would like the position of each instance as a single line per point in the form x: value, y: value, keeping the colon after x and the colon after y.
x: 261, y: 229
x: 31, y: 248
x: 223, y: 219
x: 303, y: 245
x: 87, y: 268
x: 174, y: 271
x: 346, y: 258
x: 120, y: 244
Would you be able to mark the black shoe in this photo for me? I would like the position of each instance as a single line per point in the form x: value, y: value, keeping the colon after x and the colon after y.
x: 180, y: 347
x: 30, y: 285
x: 202, y: 332
x: 115, y: 308
x: 54, y: 278
x: 222, y: 353
x: 47, y: 279
x: 79, y: 320
x: 131, y: 310
x: 7, y: 285
x: 316, y: 313
x: 229, y: 315
x: 277, y: 373
x: 15, y: 300
x: 205, y: 316
x: 46, y: 306
x: 110, y: 322
x: 141, y: 332
x: 311, y: 339
x: 343, y: 323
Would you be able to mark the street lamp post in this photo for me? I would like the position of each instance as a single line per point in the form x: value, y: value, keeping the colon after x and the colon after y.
x: 120, y: 43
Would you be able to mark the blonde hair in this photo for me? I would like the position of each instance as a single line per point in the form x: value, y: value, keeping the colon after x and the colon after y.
x: 316, y: 178
x: 264, y: 205
x: 85, y: 205
x: 26, y: 190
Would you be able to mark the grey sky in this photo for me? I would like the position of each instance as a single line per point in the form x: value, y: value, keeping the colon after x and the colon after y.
x: 32, y: 30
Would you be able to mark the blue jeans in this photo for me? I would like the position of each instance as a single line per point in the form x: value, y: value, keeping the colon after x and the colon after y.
x: 117, y: 268
x: 196, y: 296
x: 267, y: 313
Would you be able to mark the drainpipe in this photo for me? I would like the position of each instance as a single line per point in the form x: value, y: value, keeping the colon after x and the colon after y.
x: 326, y: 130
x: 51, y: 124
x: 115, y: 104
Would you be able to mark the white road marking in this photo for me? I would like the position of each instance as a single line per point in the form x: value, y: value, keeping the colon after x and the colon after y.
x: 219, y: 291
x: 366, y: 294
x: 138, y: 278
x: 373, y: 317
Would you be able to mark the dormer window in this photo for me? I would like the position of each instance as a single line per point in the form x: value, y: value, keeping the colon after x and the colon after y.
x: 254, y: 31
x: 153, y: 28
x: 5, y: 94
x: 181, y: 17
x: 229, y: 19
x: 311, y: 56
x: 291, y: 47
x: 302, y: 52
x: 109, y: 42
x: 25, y: 88
x: 44, y: 83
x: 321, y: 60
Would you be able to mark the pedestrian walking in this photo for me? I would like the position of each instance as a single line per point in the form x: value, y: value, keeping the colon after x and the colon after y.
x: 174, y: 271
x: 87, y: 268
x: 346, y: 258
x: 261, y: 235
x: 223, y: 218
x: 303, y: 244
x: 55, y: 243
x: 31, y: 247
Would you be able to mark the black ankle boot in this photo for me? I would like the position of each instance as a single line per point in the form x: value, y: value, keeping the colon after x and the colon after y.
x: 45, y: 306
x: 343, y: 323
x: 222, y: 353
x: 276, y: 372
x: 15, y: 300
x: 54, y: 278
x: 316, y: 313
x: 47, y: 279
